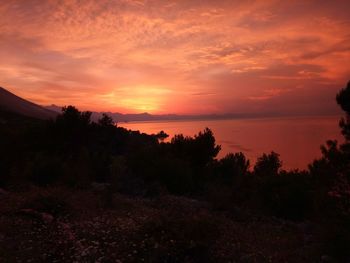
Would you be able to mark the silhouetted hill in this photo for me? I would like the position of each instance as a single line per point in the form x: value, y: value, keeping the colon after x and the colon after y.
x: 11, y: 103
x: 144, y: 117
x: 54, y: 108
x: 120, y: 117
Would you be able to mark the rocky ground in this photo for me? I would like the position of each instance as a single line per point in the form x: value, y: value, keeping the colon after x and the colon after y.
x: 62, y: 225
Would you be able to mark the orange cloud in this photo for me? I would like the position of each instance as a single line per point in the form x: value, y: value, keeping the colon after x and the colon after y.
x: 157, y: 56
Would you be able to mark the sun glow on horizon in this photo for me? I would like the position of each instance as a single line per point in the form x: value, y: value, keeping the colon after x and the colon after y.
x: 137, y: 98
x: 186, y: 57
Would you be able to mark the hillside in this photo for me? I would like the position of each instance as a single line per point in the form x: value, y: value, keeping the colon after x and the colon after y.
x: 11, y: 103
x: 61, y: 225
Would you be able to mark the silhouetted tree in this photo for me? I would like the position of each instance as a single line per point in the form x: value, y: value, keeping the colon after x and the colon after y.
x: 71, y: 129
x: 71, y: 116
x: 106, y: 120
x: 268, y: 164
x: 205, y: 148
x: 200, y: 150
x: 233, y: 165
x: 331, y: 175
x: 333, y: 169
x: 288, y: 195
x: 162, y: 136
x: 343, y: 99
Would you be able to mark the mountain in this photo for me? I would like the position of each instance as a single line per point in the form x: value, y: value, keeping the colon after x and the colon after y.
x: 11, y: 103
x: 54, y: 108
x: 120, y: 117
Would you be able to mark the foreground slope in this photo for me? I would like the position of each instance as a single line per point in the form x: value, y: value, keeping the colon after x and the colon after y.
x: 62, y: 225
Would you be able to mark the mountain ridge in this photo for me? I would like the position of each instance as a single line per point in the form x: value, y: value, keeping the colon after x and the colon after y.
x: 145, y: 116
x: 13, y: 103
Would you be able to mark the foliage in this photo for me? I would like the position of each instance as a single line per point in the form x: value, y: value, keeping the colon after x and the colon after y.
x: 106, y: 121
x: 343, y: 99
x: 288, y: 195
x: 162, y: 136
x: 199, y: 150
x: 233, y: 165
x: 268, y: 165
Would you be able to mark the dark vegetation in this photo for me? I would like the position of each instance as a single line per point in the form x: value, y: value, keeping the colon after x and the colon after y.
x: 72, y: 152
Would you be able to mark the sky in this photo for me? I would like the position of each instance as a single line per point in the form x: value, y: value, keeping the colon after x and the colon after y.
x: 177, y: 56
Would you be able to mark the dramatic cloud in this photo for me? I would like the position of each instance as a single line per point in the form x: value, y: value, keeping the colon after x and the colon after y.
x: 177, y: 56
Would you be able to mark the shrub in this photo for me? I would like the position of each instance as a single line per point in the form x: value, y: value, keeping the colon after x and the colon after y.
x: 288, y: 195
x: 176, y: 175
x: 268, y: 165
x: 200, y: 150
x: 233, y: 165
x: 44, y: 169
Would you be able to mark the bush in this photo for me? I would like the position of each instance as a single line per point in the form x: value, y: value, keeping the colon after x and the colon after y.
x: 199, y: 150
x: 288, y: 195
x: 233, y: 165
x: 176, y: 175
x: 268, y: 165
x: 44, y: 169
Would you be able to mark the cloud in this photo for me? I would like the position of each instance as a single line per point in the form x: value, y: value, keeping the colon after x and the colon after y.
x: 270, y: 93
x: 340, y: 47
x: 207, y: 56
x: 203, y: 94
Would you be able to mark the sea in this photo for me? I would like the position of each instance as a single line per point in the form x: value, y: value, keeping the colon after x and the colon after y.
x: 296, y: 139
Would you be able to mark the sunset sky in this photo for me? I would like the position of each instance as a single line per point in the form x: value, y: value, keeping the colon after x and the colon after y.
x: 184, y: 57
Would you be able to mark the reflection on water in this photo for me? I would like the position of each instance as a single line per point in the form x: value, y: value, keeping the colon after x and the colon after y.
x: 296, y: 139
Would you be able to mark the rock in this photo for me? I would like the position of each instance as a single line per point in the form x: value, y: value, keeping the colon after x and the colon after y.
x: 45, y: 217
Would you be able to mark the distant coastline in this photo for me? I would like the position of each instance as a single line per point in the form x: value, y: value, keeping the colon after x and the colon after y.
x: 147, y: 117
x: 223, y: 118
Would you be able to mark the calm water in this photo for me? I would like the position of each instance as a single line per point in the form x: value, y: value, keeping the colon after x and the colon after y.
x: 296, y: 139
